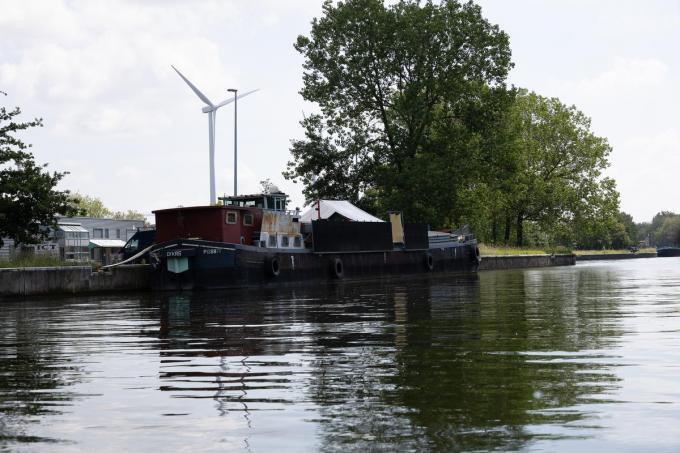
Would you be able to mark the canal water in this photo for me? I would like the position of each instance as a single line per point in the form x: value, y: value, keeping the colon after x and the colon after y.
x: 584, y: 357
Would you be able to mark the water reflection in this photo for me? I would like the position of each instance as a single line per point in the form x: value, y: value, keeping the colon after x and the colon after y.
x: 503, y: 360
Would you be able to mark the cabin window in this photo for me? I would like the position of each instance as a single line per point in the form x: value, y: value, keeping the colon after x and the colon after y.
x: 231, y: 217
x: 98, y: 233
x: 284, y: 241
x: 297, y: 242
x: 247, y: 219
x: 272, y: 241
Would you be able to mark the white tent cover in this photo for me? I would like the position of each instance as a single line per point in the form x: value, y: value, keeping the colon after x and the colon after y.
x: 342, y: 207
x: 107, y: 243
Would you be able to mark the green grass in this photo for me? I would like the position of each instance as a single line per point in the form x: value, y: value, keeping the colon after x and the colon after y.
x: 38, y: 261
x: 491, y: 250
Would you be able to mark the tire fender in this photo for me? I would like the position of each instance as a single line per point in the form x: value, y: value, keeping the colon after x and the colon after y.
x: 429, y: 262
x: 337, y: 268
x: 272, y: 266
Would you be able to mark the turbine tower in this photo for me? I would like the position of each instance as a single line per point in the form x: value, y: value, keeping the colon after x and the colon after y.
x: 211, y: 110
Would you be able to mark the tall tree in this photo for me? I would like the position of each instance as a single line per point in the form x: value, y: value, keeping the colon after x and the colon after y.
x: 90, y: 206
x: 29, y: 200
x: 406, y: 93
x: 558, y: 181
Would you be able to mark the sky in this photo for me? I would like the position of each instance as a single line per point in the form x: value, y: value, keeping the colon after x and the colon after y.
x: 131, y: 132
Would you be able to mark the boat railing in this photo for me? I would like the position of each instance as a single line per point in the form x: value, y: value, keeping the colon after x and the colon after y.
x: 289, y: 212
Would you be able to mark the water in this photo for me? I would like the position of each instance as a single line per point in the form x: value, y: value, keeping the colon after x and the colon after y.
x: 560, y: 359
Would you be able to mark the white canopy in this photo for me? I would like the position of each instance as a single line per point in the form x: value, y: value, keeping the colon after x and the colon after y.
x: 340, y: 207
x: 107, y: 243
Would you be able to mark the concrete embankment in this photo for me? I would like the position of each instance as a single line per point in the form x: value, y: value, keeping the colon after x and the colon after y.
x: 82, y: 279
x: 497, y: 262
x: 614, y: 256
x: 72, y: 279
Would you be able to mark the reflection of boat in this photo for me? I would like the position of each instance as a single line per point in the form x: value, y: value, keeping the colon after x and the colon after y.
x: 667, y: 251
x: 253, y: 239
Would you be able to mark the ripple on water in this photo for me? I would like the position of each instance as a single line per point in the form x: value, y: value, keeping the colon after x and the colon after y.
x: 544, y: 359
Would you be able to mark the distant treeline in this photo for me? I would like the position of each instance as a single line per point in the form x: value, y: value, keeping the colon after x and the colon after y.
x: 415, y: 115
x: 663, y: 230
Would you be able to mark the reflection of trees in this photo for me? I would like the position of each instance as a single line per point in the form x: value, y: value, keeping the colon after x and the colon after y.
x: 474, y: 365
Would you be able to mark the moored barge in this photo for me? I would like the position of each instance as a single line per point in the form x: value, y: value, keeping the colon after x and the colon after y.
x: 667, y: 251
x: 253, y: 240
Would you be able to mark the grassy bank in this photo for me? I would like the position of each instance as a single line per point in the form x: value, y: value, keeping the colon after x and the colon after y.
x: 39, y: 261
x: 491, y: 250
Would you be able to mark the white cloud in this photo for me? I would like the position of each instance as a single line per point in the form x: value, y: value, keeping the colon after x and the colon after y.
x: 640, y: 165
x: 93, y: 59
x: 623, y: 78
x: 625, y: 75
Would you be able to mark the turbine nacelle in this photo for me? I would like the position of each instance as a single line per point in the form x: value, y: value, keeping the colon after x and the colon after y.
x: 210, y: 108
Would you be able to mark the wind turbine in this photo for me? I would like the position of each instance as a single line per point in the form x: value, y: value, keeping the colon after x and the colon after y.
x: 211, y: 110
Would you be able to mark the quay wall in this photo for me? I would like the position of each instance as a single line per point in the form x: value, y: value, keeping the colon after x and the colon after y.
x: 72, y: 279
x: 614, y: 256
x: 136, y: 277
x: 496, y: 262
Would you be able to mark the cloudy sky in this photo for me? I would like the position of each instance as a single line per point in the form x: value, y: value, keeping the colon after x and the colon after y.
x: 132, y: 133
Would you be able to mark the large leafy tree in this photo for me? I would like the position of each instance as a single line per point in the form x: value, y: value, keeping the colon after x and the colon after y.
x: 558, y: 182
x: 29, y: 200
x: 407, y: 95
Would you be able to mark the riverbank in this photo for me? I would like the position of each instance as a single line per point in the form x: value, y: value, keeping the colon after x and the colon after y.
x: 614, y: 256
x: 498, y: 262
x: 31, y: 281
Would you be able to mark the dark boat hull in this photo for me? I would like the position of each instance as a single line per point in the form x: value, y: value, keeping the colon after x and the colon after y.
x: 668, y: 251
x: 196, y: 264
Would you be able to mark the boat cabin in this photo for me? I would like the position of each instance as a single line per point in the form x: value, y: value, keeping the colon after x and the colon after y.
x: 259, y: 220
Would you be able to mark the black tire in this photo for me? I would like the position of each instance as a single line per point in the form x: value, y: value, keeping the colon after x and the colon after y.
x: 429, y: 262
x: 337, y: 268
x: 272, y: 266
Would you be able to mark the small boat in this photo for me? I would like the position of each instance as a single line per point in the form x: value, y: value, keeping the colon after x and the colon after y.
x: 667, y: 251
x: 253, y: 239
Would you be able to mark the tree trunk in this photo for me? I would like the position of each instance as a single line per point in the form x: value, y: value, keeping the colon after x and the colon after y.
x: 520, y: 229
x: 494, y: 229
x: 506, y: 235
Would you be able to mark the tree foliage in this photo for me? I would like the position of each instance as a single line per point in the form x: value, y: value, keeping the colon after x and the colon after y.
x: 664, y: 230
x: 94, y: 207
x: 558, y: 181
x: 29, y: 200
x: 400, y: 89
x: 414, y: 115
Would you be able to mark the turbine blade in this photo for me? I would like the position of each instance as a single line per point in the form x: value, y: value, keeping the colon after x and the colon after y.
x: 230, y: 100
x: 193, y: 87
